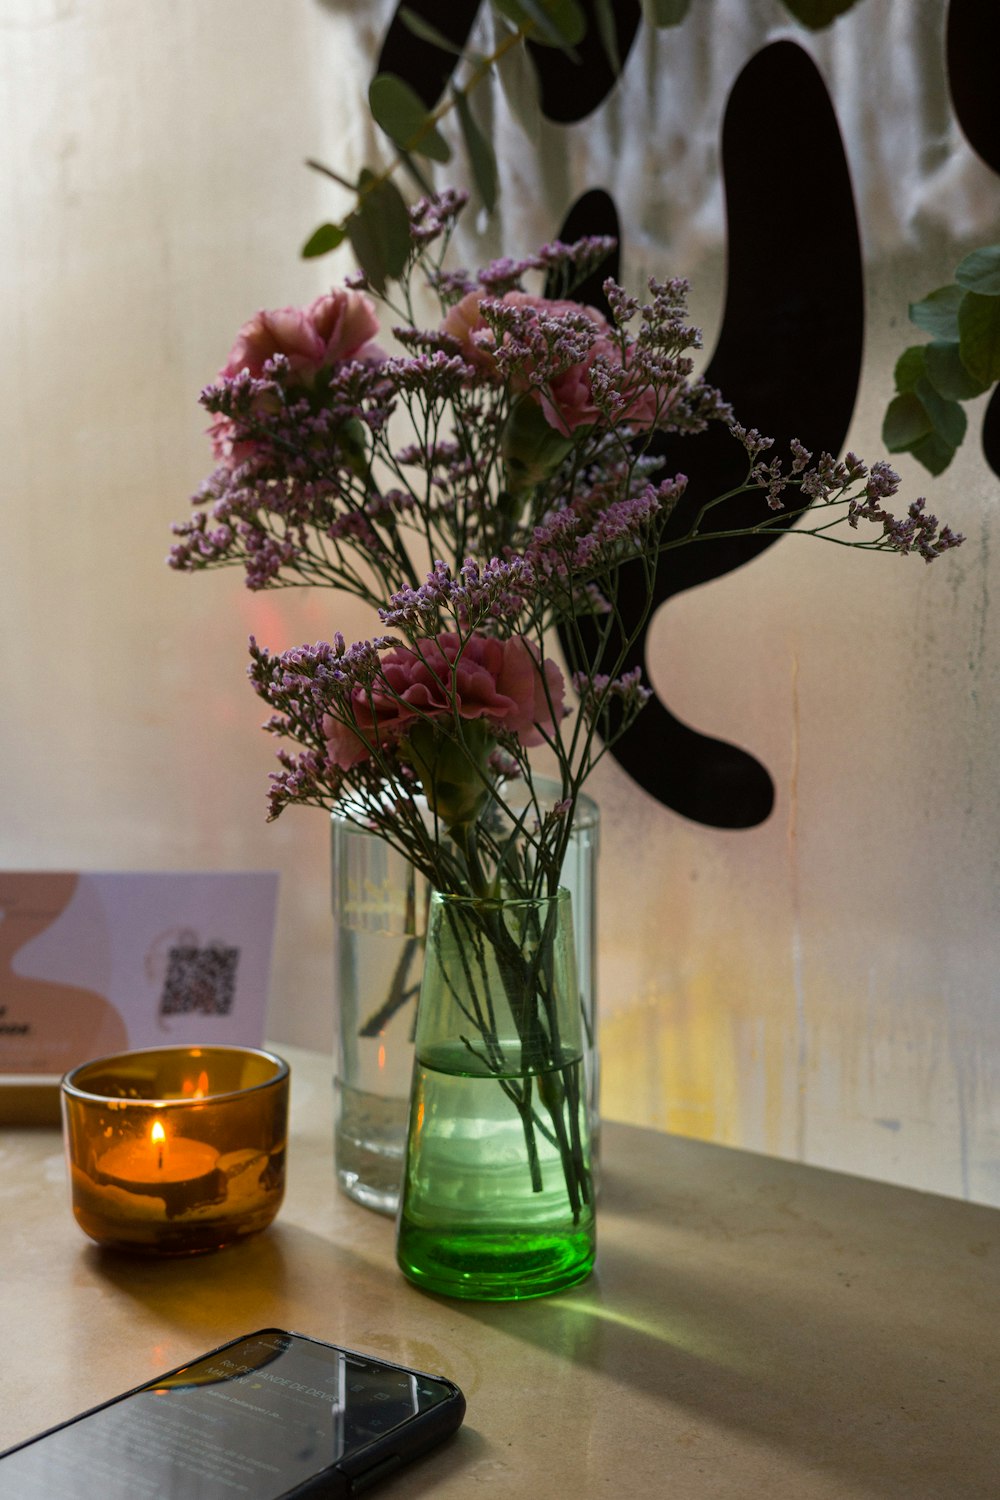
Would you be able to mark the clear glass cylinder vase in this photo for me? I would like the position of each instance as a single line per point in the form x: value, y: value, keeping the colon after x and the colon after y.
x: 497, y: 1201
x: 380, y: 916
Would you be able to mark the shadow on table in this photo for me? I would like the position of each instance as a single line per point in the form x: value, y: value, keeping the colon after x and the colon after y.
x: 814, y: 1365
x: 272, y: 1281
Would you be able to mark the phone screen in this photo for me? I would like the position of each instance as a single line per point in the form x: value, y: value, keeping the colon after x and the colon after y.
x: 250, y: 1421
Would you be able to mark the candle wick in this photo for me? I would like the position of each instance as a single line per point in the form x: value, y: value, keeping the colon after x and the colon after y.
x: 159, y: 1157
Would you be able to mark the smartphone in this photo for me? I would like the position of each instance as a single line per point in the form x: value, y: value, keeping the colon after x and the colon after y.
x: 269, y: 1416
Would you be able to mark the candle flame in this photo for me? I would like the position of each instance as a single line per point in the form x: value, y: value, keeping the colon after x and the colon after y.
x: 381, y: 1058
x: 202, y: 1088
x: 158, y: 1138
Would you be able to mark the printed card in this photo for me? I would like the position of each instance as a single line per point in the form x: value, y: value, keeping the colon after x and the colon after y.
x: 98, y: 963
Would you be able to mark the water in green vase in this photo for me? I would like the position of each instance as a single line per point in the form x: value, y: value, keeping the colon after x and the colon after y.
x: 497, y: 1198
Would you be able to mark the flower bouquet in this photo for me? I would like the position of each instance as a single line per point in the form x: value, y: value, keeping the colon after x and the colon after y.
x: 482, y: 488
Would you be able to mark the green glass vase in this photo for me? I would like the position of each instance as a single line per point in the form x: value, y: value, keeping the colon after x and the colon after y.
x: 497, y: 1201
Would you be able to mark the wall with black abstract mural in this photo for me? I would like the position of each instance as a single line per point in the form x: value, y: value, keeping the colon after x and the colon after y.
x: 812, y: 292
x: 800, y: 861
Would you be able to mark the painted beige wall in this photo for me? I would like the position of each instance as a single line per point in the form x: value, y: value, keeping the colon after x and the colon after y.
x: 822, y: 986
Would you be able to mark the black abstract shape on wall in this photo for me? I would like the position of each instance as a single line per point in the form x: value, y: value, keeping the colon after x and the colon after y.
x: 572, y: 87
x: 973, y: 46
x: 788, y: 358
x: 972, y: 49
x: 991, y: 432
x: 423, y: 65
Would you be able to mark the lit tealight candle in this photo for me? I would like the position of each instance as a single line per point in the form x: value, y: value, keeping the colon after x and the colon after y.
x: 182, y: 1172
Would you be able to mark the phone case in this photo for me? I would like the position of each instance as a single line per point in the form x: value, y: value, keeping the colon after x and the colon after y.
x: 352, y: 1474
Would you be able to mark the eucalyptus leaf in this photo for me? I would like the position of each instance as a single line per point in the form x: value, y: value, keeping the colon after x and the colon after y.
x: 519, y: 83
x: 818, y: 13
x: 979, y: 336
x: 933, y: 452
x: 379, y: 231
x: 980, y: 271
x: 947, y: 417
x: 480, y: 152
x: 604, y: 15
x: 911, y: 366
x: 906, y: 421
x: 402, y: 116
x: 416, y: 24
x: 556, y: 23
x: 948, y: 375
x: 937, y: 314
x: 411, y: 167
x: 324, y: 239
x: 665, y: 12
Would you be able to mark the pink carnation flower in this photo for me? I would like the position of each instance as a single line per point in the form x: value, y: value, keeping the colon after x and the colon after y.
x: 336, y: 329
x: 568, y: 402
x: 504, y: 683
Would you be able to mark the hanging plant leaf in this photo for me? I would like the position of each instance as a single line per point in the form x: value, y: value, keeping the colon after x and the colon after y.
x: 519, y: 83
x: 410, y: 166
x: 937, y: 313
x: 911, y: 366
x: 605, y: 17
x: 416, y: 24
x: 379, y: 231
x: 980, y: 271
x: 947, y: 417
x: 933, y: 452
x: 402, y: 116
x: 979, y: 336
x: 948, y: 375
x: 665, y: 12
x: 818, y: 13
x: 322, y: 240
x: 481, y: 157
x: 557, y: 23
x: 906, y: 421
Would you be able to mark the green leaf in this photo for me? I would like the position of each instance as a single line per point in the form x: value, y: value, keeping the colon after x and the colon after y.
x: 818, y: 13
x: 410, y: 166
x: 979, y: 336
x: 322, y: 240
x: 665, y: 12
x: 555, y: 23
x: 910, y: 367
x: 426, y: 32
x: 481, y: 157
x: 933, y: 452
x: 519, y: 82
x: 980, y: 271
x: 379, y: 231
x: 402, y: 116
x: 948, y: 375
x: 947, y: 417
x: 605, y: 17
x: 906, y: 421
x: 937, y: 314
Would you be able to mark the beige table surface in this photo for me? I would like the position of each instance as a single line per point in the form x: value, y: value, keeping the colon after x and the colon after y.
x: 754, y: 1328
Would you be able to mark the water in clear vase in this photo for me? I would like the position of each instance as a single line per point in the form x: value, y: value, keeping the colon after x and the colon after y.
x: 380, y: 910
x: 379, y: 904
x: 498, y: 1200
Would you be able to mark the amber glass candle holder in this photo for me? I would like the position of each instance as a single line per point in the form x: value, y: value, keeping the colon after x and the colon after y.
x: 176, y: 1150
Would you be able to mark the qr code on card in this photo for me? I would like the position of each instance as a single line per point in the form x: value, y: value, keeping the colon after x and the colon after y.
x: 199, y: 981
